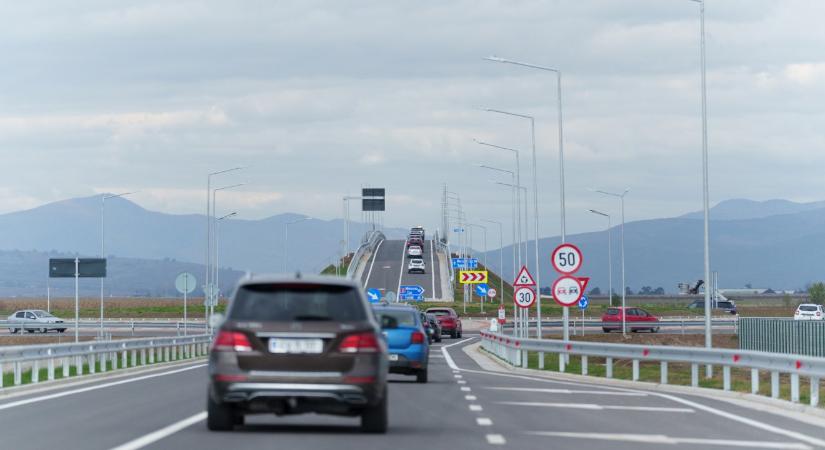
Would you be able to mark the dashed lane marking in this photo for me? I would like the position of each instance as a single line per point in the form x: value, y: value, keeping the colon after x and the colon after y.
x: 164, y: 432
x: 476, y: 408
x: 484, y: 421
x: 470, y: 398
x: 566, y: 391
x: 667, y: 440
x: 595, y: 407
x: 495, y: 439
x: 465, y: 389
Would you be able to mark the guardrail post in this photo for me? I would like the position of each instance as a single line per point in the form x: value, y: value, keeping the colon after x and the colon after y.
x: 608, y: 367
x: 175, y: 353
x: 113, y: 358
x: 694, y: 375
x: 754, y: 381
x: 50, y: 371
x: 165, y: 352
x: 774, y: 384
x: 524, y: 359
x: 726, y: 378
x: 561, y: 362
x: 133, y: 328
x: 663, y: 372
x: 35, y: 371
x: 91, y: 362
x: 103, y: 362
x: 151, y: 353
x: 78, y: 364
x: 814, y: 391
x: 143, y: 357
x: 133, y: 357
x: 123, y: 360
x: 18, y: 375
x: 584, y: 364
x: 635, y: 370
x: 1, y: 376
x: 541, y: 359
x: 65, y: 368
x: 795, y: 387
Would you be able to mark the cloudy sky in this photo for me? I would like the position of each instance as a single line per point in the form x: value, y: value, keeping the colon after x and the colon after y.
x: 318, y: 98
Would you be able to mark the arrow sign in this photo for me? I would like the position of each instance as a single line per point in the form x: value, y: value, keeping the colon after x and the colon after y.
x: 472, y: 276
x: 524, y: 278
x: 584, y: 303
x: 413, y: 290
x: 374, y: 295
x: 481, y: 289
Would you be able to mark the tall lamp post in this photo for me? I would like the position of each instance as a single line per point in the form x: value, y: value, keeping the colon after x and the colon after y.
x: 215, y: 246
x: 347, y: 199
x: 518, y: 183
x: 624, y: 286
x: 217, y: 250
x: 286, y: 239
x: 514, y: 215
x: 103, y: 199
x: 609, y: 257
x: 565, y: 310
x: 500, y: 257
x: 208, y: 262
x: 705, y: 189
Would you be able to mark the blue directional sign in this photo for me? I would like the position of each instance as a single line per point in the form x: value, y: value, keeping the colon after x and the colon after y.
x: 481, y: 289
x: 413, y: 293
x: 458, y: 230
x: 584, y: 303
x: 373, y: 295
x: 465, y: 263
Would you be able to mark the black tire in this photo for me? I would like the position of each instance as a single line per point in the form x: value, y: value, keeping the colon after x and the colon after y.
x: 30, y: 331
x: 453, y: 334
x: 459, y: 334
x: 219, y: 417
x: 13, y: 330
x: 62, y: 330
x: 438, y: 338
x: 374, y: 418
x: 421, y: 376
x: 44, y: 330
x: 606, y: 330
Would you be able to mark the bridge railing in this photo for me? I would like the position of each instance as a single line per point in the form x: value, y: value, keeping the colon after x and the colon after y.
x: 515, y: 351
x: 368, y: 244
x: 782, y: 335
x: 92, y: 356
x: 445, y: 248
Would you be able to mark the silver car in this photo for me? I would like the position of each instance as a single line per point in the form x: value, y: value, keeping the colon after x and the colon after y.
x: 416, y: 265
x: 33, y: 320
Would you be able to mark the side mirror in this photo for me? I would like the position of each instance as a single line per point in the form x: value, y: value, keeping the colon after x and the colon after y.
x: 388, y: 323
x: 216, y: 320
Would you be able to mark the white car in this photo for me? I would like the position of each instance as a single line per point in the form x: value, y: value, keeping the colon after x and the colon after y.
x: 414, y: 251
x: 33, y: 320
x: 416, y: 265
x: 809, y: 311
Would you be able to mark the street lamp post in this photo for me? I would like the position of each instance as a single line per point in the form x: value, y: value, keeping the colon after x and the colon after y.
x: 513, y: 207
x: 609, y: 258
x: 624, y: 286
x: 484, y: 234
x: 208, y: 262
x: 217, y: 251
x: 347, y: 198
x: 214, y: 270
x: 500, y: 257
x: 103, y: 199
x: 286, y: 239
x: 565, y: 310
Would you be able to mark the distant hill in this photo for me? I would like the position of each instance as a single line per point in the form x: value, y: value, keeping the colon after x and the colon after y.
x: 73, y: 226
x: 765, y: 248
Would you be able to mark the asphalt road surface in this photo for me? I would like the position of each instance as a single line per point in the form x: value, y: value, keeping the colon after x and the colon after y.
x: 464, y: 406
x: 387, y: 269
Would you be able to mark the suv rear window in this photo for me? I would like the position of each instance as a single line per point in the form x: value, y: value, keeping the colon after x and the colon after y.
x: 807, y: 308
x: 297, y: 302
x: 404, y: 318
x: 612, y: 311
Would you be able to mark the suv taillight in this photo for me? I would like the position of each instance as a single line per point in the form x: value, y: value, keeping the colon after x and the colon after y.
x: 231, y: 341
x: 359, y: 343
x: 417, y: 337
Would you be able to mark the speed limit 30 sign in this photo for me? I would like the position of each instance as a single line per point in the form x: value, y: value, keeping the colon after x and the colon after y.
x: 524, y: 297
x: 567, y: 259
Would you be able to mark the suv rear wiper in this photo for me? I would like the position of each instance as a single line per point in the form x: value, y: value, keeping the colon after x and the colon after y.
x: 308, y: 318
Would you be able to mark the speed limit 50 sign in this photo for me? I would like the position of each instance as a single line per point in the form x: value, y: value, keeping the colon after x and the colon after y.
x: 524, y: 297
x: 567, y: 259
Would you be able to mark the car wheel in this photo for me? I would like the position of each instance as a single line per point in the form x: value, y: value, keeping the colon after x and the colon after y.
x: 459, y: 334
x: 44, y: 330
x: 633, y: 330
x: 438, y: 339
x: 421, y: 376
x: 62, y: 330
x: 453, y: 334
x: 654, y: 330
x: 219, y: 417
x: 374, y: 418
x: 30, y: 331
x: 606, y: 330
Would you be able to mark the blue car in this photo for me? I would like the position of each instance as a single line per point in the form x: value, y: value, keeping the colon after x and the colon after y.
x: 409, y: 348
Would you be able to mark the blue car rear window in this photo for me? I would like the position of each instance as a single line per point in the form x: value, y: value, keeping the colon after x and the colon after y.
x: 404, y: 318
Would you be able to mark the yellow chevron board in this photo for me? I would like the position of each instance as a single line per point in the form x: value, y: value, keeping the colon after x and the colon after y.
x: 472, y: 276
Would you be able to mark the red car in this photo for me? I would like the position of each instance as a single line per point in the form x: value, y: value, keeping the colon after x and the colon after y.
x: 415, y: 241
x: 637, y: 317
x: 448, y: 319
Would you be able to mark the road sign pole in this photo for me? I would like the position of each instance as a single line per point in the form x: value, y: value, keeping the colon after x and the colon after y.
x: 186, y: 278
x: 76, y: 299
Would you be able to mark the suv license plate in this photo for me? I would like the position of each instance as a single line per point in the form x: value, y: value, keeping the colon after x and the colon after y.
x: 393, y: 357
x: 277, y: 345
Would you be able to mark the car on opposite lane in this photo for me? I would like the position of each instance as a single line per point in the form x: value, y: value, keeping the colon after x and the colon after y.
x: 636, y: 319
x: 33, y: 320
x: 722, y: 305
x: 449, y: 321
x: 416, y: 265
x: 809, y: 311
x: 294, y: 345
x: 409, y: 349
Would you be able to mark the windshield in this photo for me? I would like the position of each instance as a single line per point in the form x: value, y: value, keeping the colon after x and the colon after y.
x: 439, y: 312
x: 298, y: 302
x: 612, y: 312
x: 42, y: 314
x: 807, y: 307
x: 404, y: 318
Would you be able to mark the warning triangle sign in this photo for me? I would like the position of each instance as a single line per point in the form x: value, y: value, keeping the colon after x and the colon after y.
x: 524, y: 278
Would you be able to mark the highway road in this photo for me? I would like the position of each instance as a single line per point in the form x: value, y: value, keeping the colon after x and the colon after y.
x: 466, y: 405
x: 387, y: 269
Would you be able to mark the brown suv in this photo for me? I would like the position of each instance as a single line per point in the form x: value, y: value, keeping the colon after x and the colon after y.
x: 298, y: 345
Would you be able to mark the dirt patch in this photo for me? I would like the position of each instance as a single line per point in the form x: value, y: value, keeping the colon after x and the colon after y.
x: 130, y: 307
x: 680, y: 340
x: 6, y: 340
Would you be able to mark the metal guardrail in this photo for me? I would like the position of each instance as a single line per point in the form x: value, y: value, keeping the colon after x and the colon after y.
x: 368, y: 243
x: 576, y: 324
x: 514, y: 351
x: 103, y: 353
x: 445, y: 247
x: 127, y: 324
x: 782, y: 335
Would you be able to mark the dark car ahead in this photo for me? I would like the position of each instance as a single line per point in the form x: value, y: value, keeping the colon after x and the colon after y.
x: 433, y: 326
x: 723, y: 305
x: 448, y: 319
x: 298, y: 345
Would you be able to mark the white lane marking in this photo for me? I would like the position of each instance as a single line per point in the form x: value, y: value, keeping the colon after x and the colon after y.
x: 164, y: 432
x: 44, y: 398
x: 401, y: 272
x: 449, y: 358
x: 461, y: 382
x: 470, y: 398
x: 484, y: 421
x: 599, y: 407
x: 465, y: 389
x: 374, y: 257
x: 495, y: 439
x: 458, y: 377
x: 432, y: 266
x: 754, y: 423
x: 475, y: 408
x: 566, y: 391
x: 437, y: 356
x: 662, y: 439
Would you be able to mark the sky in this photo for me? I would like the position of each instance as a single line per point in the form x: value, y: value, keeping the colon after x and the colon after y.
x: 319, y: 98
